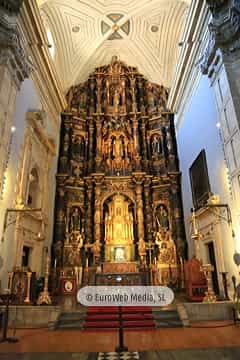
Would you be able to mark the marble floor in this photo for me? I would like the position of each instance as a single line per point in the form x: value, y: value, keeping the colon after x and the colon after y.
x: 212, y: 335
x: 230, y: 353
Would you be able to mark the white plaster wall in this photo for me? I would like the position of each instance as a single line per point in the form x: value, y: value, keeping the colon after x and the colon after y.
x: 27, y: 99
x: 198, y: 131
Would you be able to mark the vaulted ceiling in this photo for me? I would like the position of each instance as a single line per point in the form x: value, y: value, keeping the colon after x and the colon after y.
x: 142, y: 33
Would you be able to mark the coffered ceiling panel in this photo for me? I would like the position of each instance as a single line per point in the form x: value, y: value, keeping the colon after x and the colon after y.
x: 86, y: 34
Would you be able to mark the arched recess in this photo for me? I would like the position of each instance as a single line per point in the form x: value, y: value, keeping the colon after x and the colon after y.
x: 34, y: 189
x: 127, y: 239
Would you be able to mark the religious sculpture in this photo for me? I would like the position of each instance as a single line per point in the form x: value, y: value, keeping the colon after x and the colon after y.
x: 156, y: 145
x: 162, y: 217
x: 75, y: 222
x: 118, y: 228
x: 116, y: 100
x: 117, y: 147
x: 77, y: 147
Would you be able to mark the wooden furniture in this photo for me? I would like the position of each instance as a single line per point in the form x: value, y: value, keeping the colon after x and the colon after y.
x: 195, y: 280
x: 21, y: 284
x: 6, y: 299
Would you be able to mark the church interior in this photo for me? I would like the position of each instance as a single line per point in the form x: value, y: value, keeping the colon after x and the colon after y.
x: 119, y: 167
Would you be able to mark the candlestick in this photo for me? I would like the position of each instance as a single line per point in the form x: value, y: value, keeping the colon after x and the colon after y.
x: 209, y: 294
x: 195, y: 230
x: 182, y: 272
x: 44, y: 296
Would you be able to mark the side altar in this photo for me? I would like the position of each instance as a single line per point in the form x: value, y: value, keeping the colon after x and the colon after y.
x: 118, y: 206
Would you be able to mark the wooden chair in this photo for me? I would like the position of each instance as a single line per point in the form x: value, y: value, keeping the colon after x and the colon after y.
x: 195, y: 280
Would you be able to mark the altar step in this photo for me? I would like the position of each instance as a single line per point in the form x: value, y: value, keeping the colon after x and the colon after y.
x: 71, y: 320
x: 107, y: 318
x: 167, y: 318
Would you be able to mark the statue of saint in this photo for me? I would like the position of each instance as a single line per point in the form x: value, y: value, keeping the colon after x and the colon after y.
x: 118, y: 148
x: 150, y: 96
x: 78, y: 146
x: 79, y: 240
x: 66, y: 143
x: 75, y: 220
x: 141, y: 247
x: 162, y: 217
x: 156, y: 146
x: 116, y: 100
x: 119, y: 254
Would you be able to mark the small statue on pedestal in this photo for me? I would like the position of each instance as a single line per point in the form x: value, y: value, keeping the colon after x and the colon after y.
x: 75, y: 221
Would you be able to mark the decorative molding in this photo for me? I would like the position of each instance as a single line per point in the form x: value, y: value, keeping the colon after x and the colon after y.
x: 11, y: 6
x: 187, y: 70
x: 36, y: 120
x: 224, y: 30
x: 12, y: 53
x: 77, y: 55
x: 44, y: 75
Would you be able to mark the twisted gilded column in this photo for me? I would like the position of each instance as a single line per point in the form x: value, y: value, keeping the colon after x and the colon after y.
x: 90, y: 144
x: 98, y: 93
x: 148, y: 211
x: 138, y: 178
x: 89, y: 219
x: 171, y: 151
x: 137, y: 156
x: 97, y: 216
x: 144, y: 141
x: 99, y: 143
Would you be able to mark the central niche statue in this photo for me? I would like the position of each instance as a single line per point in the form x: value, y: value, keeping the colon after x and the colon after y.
x: 118, y: 229
x: 118, y: 147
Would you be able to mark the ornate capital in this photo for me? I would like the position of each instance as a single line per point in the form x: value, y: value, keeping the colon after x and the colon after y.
x: 11, y: 6
x: 12, y: 53
x: 215, y: 5
x: 224, y: 30
x: 98, y: 179
x: 225, y: 25
x: 209, y: 54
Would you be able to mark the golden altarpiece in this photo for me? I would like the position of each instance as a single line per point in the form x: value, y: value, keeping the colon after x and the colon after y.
x: 118, y: 197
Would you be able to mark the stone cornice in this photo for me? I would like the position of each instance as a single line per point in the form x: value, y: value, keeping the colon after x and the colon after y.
x: 225, y: 25
x: 44, y: 74
x: 11, y: 6
x: 187, y: 70
x: 215, y: 5
x: 36, y: 119
x: 12, y: 53
x: 224, y: 30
